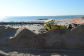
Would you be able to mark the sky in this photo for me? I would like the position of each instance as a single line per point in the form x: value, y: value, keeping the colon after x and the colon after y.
x: 41, y: 7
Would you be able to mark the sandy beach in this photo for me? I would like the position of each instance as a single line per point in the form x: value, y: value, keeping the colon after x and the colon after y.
x: 17, y: 37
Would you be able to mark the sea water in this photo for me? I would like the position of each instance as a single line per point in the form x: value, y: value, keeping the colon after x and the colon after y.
x: 29, y: 18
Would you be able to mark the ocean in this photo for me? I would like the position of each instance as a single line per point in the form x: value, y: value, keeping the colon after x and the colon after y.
x: 30, y: 18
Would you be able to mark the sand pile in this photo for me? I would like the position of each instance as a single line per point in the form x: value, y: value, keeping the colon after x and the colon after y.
x: 75, y: 38
x: 5, y: 34
x: 53, y: 38
x: 27, y: 39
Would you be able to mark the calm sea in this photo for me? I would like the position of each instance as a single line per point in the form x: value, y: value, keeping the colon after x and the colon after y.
x: 29, y: 18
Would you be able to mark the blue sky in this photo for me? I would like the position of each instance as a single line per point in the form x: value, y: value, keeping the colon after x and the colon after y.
x: 41, y: 7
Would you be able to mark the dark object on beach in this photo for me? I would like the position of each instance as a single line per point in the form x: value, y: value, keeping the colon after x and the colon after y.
x: 70, y: 27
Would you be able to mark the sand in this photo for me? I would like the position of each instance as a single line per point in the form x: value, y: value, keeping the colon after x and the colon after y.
x: 54, y: 39
x: 27, y: 39
x: 75, y: 38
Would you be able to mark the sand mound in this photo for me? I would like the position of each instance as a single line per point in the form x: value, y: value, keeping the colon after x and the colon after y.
x: 74, y: 38
x: 5, y: 34
x: 27, y: 39
x: 65, y: 39
x: 54, y: 38
x: 57, y: 39
x: 24, y: 38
